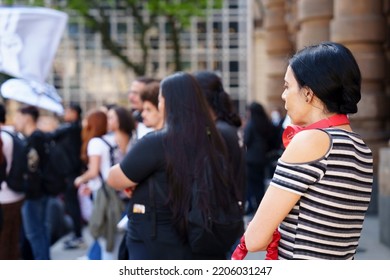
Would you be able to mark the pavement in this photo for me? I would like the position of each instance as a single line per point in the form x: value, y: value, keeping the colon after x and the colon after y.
x: 370, y: 247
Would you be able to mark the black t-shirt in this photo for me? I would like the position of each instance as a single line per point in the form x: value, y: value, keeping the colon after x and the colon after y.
x: 68, y: 135
x: 36, y: 160
x: 145, y: 164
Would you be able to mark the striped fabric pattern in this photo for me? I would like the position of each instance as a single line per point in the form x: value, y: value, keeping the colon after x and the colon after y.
x: 335, y: 191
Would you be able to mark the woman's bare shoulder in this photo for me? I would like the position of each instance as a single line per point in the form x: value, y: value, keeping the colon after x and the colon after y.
x: 307, y: 146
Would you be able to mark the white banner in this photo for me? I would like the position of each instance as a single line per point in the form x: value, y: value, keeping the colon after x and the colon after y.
x: 29, y: 38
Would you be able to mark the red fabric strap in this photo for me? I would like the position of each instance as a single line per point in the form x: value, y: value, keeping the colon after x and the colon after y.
x: 291, y: 130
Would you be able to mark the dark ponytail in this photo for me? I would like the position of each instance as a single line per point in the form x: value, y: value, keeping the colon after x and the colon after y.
x: 217, y: 98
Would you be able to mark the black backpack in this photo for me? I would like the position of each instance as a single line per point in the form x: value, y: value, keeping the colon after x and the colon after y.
x: 56, y: 169
x: 113, y: 151
x: 16, y: 178
x: 218, y: 232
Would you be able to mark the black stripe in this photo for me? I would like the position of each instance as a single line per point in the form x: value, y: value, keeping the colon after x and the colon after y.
x: 329, y: 217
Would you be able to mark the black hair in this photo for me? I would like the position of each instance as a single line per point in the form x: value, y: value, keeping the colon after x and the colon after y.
x: 77, y: 108
x: 3, y: 113
x: 217, y: 98
x: 192, y: 143
x: 151, y: 92
x: 260, y: 119
x: 31, y: 111
x: 125, y: 119
x: 2, y: 120
x: 146, y: 80
x: 332, y: 73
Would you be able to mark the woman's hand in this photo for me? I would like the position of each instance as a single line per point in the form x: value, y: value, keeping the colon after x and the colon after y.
x: 85, y: 190
x: 78, y: 181
x: 129, y: 191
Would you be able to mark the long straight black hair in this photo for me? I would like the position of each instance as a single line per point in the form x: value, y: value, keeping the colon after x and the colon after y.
x: 193, y: 147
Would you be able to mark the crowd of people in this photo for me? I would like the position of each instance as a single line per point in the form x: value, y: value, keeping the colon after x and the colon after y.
x: 182, y: 133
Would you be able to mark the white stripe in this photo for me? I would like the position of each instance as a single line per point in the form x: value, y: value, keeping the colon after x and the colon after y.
x: 351, y: 153
x: 318, y: 250
x: 350, y: 135
x: 343, y: 175
x: 329, y: 233
x: 334, y: 194
x: 299, y: 173
x: 335, y: 225
x: 346, y: 186
x: 364, y: 150
x: 288, y: 253
x: 351, y: 164
x: 339, y: 205
x: 304, y: 257
x: 331, y: 214
x: 291, y: 181
x: 327, y: 242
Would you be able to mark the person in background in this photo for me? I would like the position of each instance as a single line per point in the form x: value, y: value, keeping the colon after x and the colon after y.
x: 260, y: 138
x: 228, y: 123
x: 10, y: 201
x: 68, y: 135
x: 122, y: 126
x: 170, y: 159
x: 95, y: 152
x: 152, y: 117
x: 134, y: 96
x: 322, y: 185
x: 34, y: 207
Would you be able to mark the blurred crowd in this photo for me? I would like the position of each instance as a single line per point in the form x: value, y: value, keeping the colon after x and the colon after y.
x: 100, y: 138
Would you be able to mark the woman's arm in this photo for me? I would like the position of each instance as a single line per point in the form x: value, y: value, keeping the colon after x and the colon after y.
x: 305, y: 147
x: 274, y: 207
x: 118, y: 180
x: 92, y: 172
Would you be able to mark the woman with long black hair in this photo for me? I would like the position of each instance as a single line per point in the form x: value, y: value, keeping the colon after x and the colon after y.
x: 161, y: 169
x: 228, y: 123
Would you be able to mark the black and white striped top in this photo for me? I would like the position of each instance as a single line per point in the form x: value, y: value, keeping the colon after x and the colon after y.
x: 335, y: 191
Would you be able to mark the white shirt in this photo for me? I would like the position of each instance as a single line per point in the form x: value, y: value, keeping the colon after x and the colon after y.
x: 97, y: 147
x: 142, y: 130
x: 6, y: 194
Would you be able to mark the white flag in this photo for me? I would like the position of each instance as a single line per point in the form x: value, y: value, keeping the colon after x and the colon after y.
x: 29, y: 38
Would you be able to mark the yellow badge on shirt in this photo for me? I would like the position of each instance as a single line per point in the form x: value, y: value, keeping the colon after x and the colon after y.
x: 139, y: 208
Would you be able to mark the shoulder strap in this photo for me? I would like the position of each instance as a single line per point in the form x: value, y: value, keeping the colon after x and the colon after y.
x: 112, y: 148
x: 8, y: 132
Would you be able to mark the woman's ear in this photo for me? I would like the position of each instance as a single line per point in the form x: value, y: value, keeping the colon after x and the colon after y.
x: 308, y: 94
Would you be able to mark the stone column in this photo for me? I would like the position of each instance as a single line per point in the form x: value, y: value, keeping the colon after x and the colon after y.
x: 384, y: 195
x: 278, y: 48
x: 314, y: 17
x: 360, y: 26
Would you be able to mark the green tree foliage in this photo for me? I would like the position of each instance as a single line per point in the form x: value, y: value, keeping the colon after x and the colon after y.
x: 177, y: 13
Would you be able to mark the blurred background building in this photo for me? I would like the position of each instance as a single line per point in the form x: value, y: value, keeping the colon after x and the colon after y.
x: 85, y: 71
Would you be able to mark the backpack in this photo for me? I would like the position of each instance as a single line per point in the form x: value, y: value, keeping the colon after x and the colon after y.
x: 218, y: 232
x: 56, y: 169
x: 113, y: 151
x: 16, y: 177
